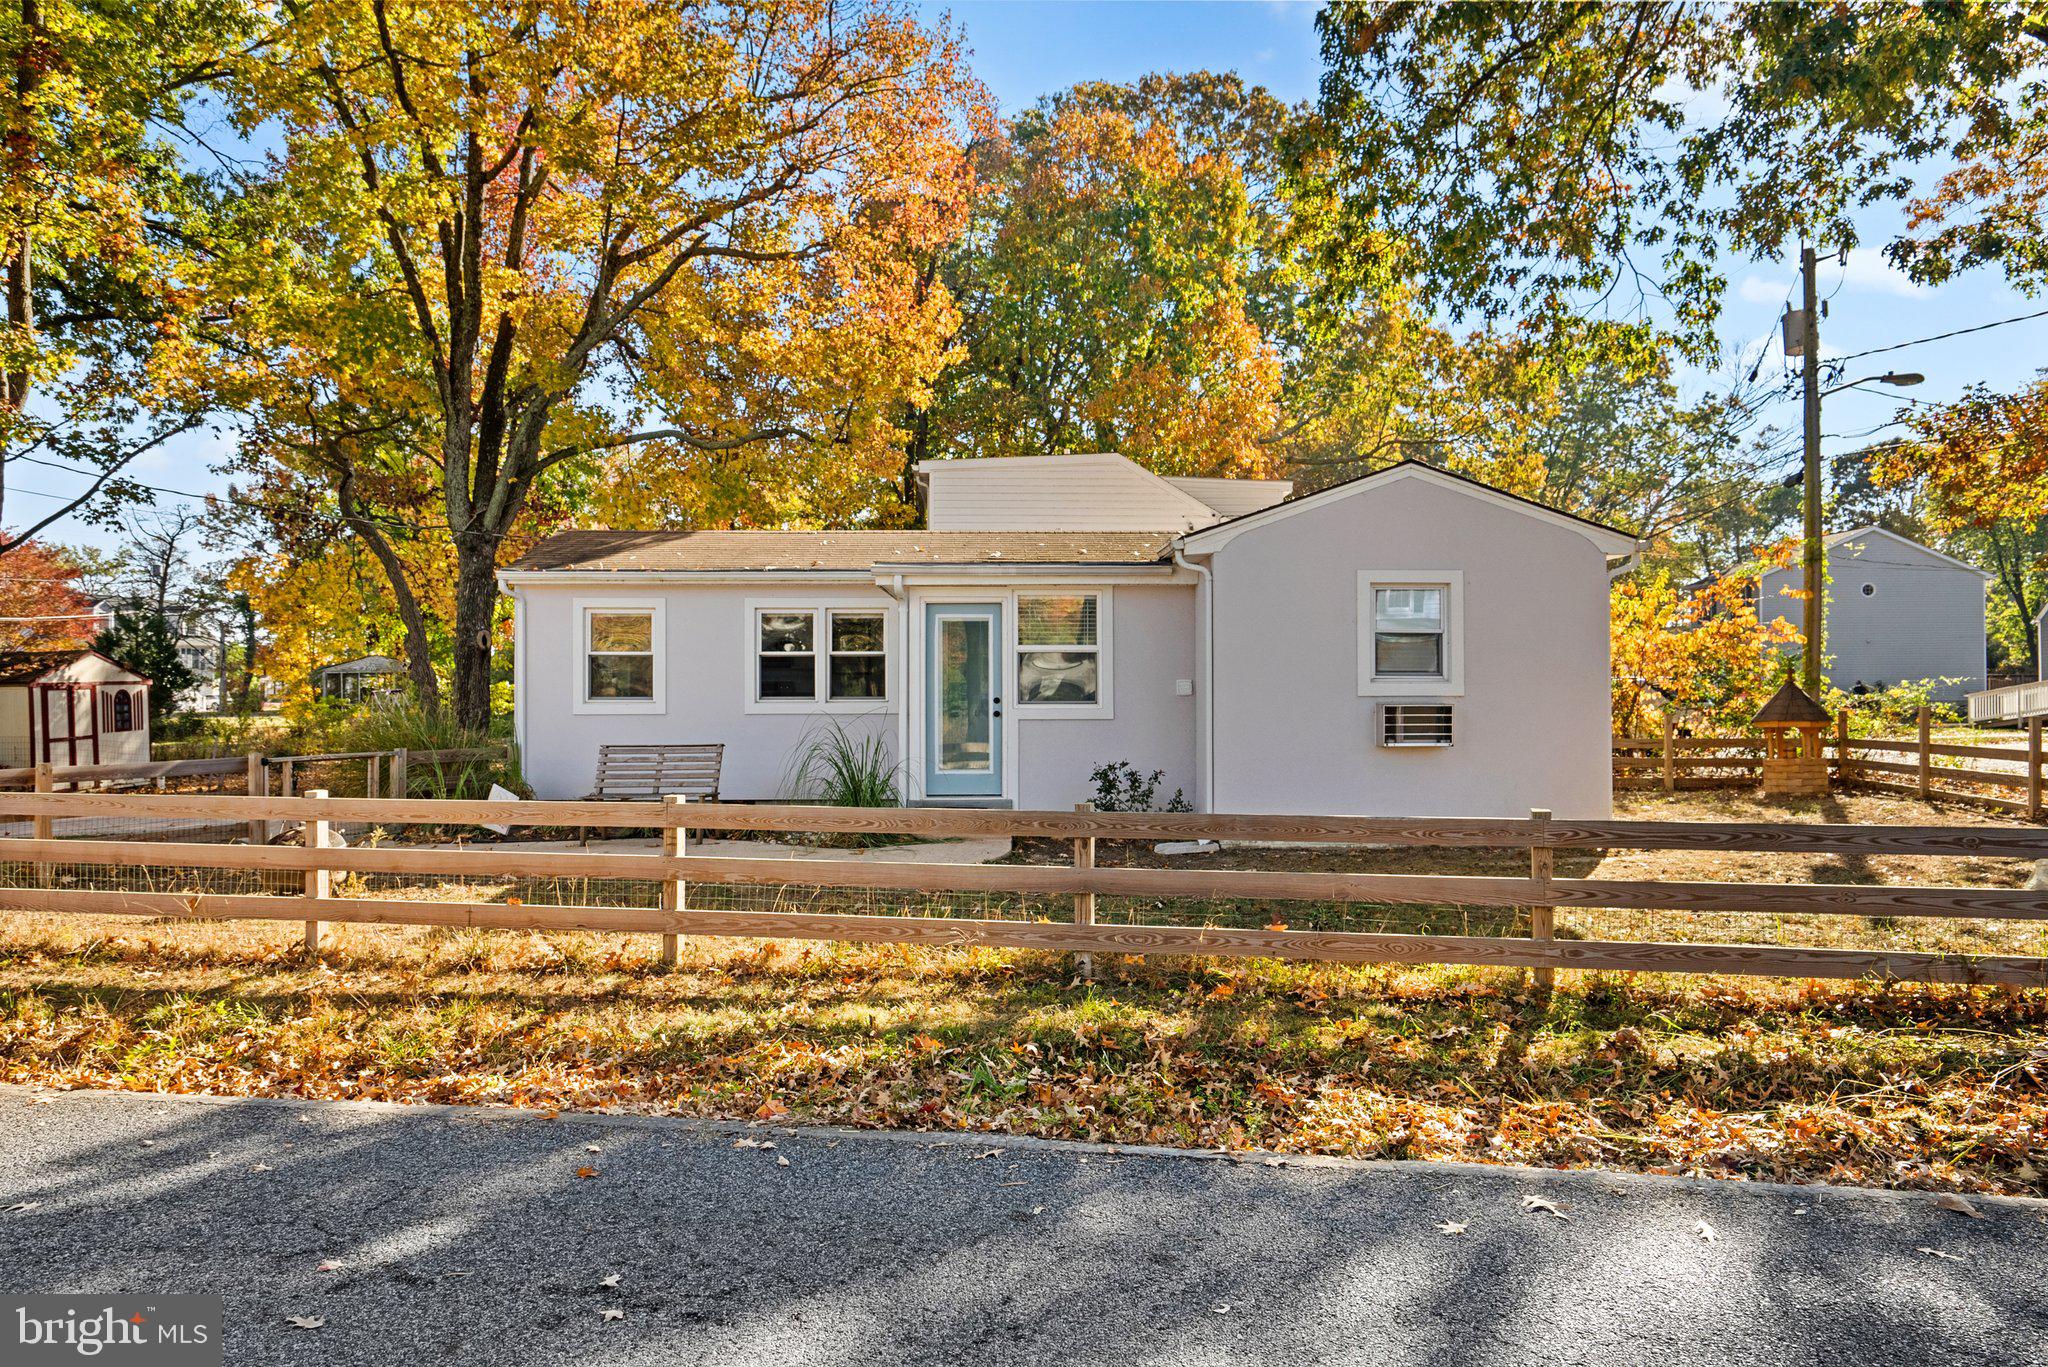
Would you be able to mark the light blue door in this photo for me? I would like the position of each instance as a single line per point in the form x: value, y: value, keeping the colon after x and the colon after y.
x: 963, y: 707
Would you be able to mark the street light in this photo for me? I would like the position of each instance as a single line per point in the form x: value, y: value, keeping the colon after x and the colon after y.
x: 1902, y: 379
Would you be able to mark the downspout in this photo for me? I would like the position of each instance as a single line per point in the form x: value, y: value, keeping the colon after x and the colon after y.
x: 1205, y: 676
x: 895, y: 590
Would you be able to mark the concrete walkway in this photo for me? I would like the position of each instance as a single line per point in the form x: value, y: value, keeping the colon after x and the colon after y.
x: 449, y: 1234
x: 973, y: 850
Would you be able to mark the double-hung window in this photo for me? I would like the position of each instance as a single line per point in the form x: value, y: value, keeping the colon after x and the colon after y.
x: 1411, y: 633
x: 1059, y: 649
x: 858, y: 666
x: 619, y: 660
x: 820, y: 655
x: 1408, y: 632
x: 788, y: 655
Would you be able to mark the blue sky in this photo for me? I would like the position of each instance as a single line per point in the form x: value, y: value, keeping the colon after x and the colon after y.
x: 1025, y: 50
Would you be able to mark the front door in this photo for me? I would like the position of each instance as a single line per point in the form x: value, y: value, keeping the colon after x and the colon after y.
x: 963, y: 705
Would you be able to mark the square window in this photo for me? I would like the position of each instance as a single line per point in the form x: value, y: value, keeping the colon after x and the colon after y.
x: 618, y: 655
x: 1059, y: 656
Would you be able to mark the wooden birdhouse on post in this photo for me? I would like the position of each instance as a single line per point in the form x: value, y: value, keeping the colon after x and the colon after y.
x: 1794, y: 726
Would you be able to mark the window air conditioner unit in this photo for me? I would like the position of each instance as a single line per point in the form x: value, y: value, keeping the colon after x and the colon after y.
x: 1414, y: 725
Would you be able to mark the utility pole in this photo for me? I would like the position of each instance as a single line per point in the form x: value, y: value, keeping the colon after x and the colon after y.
x: 1809, y: 671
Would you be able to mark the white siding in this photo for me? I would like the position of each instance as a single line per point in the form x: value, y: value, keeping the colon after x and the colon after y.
x: 706, y: 645
x: 1235, y: 497
x: 707, y: 648
x: 1085, y: 493
x: 1922, y: 619
x: 1292, y: 732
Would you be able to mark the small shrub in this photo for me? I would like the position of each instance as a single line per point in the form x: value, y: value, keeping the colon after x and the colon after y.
x: 1121, y: 787
x: 842, y: 770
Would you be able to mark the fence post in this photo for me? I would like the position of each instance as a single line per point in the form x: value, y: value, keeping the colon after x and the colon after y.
x: 285, y: 779
x: 373, y: 770
x: 1542, y: 862
x: 259, y: 786
x: 41, y: 827
x: 1670, y: 768
x: 319, y: 882
x: 2033, y: 768
x: 1842, y: 760
x: 1926, y: 756
x: 673, y: 843
x: 401, y: 761
x: 1084, y: 902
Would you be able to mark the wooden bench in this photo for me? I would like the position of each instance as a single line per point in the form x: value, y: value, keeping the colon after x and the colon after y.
x: 648, y: 773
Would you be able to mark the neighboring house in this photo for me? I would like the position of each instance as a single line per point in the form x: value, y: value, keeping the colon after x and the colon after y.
x: 1896, y: 612
x: 201, y: 635
x: 1408, y: 643
x: 71, y: 707
x: 372, y: 678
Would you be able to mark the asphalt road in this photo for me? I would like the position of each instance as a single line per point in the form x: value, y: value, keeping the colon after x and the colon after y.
x: 466, y: 1235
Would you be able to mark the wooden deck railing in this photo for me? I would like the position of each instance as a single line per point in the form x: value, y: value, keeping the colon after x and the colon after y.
x: 1541, y: 890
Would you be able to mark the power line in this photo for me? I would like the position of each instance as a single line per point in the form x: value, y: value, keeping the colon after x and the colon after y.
x: 1939, y: 336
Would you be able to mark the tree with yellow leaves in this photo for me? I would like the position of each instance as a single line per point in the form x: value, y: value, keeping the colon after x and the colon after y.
x: 1697, y: 651
x: 533, y: 235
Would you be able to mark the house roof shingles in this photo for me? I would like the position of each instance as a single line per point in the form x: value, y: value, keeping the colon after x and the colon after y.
x: 684, y: 552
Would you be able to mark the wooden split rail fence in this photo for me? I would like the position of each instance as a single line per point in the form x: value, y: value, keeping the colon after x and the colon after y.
x: 1541, y: 890
x: 385, y: 772
x: 2006, y: 778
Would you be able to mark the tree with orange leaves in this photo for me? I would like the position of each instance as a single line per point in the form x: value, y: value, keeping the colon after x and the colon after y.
x: 42, y: 606
x: 507, y: 241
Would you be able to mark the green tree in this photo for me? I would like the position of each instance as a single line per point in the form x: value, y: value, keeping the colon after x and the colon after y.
x: 1525, y: 160
x: 144, y: 642
x: 100, y: 223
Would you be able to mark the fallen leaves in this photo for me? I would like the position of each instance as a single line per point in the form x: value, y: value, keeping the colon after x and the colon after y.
x: 1540, y: 1205
x: 586, y: 1172
x: 304, y: 1321
x: 610, y: 1313
x: 329, y: 1265
x: 770, y: 1109
x: 611, y: 1280
x: 1957, y: 1205
x: 1451, y: 1227
x: 1937, y: 1253
x: 1705, y: 1232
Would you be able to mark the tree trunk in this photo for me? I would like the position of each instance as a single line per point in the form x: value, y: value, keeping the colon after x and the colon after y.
x: 419, y: 652
x: 476, y: 601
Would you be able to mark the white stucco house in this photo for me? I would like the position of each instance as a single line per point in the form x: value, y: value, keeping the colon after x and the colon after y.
x: 1896, y: 612
x: 1408, y: 643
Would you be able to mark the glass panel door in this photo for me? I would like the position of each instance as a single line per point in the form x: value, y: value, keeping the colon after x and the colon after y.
x: 964, y: 732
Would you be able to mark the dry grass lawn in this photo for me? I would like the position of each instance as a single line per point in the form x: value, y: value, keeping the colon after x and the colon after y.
x: 1862, y: 1082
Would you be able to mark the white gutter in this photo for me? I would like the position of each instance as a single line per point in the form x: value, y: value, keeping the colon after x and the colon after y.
x: 1205, y: 675
x: 665, y: 578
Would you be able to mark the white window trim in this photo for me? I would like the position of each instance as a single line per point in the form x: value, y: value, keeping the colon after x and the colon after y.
x: 1413, y: 687
x: 1104, y: 706
x: 821, y: 657
x: 582, y: 703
